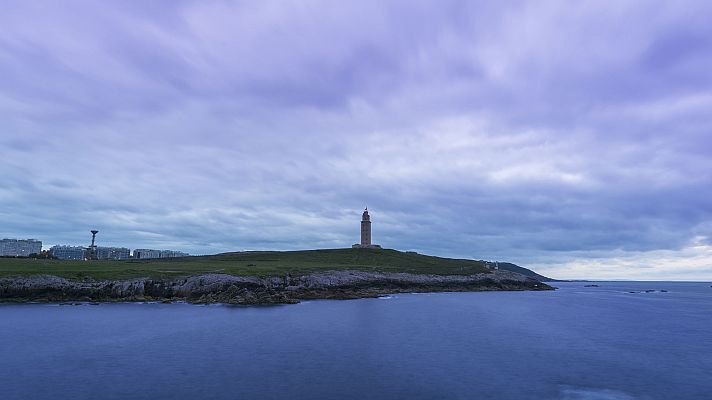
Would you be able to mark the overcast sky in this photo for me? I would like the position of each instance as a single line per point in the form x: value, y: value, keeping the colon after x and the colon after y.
x: 574, y: 138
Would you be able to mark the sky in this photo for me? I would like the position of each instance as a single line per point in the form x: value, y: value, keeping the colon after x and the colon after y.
x: 573, y: 138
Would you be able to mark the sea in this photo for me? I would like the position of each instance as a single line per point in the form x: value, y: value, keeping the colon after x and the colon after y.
x: 616, y: 340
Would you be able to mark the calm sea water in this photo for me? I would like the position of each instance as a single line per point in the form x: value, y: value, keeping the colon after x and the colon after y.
x: 576, y: 343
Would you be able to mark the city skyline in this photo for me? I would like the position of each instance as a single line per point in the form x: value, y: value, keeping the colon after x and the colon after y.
x: 572, y: 139
x: 44, y: 246
x: 17, y: 247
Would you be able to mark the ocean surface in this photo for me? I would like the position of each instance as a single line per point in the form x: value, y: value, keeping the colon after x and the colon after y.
x: 574, y: 343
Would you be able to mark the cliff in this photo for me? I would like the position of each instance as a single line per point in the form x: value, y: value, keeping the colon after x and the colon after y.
x: 223, y: 288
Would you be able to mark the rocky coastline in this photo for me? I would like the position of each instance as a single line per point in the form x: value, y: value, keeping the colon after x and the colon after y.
x: 247, y: 290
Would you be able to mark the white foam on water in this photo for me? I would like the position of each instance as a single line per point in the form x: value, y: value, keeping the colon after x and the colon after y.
x: 586, y: 393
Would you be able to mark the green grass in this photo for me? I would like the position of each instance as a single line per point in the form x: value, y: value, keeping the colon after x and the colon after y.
x: 252, y: 263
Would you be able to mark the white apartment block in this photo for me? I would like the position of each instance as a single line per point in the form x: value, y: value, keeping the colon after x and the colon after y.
x: 20, y: 247
x: 149, y: 253
x: 68, y: 252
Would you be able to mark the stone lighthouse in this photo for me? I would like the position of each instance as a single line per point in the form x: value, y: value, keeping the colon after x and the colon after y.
x: 366, y: 232
x: 365, y: 228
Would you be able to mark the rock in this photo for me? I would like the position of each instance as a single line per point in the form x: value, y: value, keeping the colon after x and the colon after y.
x: 590, y: 285
x: 222, y: 288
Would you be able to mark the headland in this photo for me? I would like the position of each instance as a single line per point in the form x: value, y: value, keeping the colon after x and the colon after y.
x: 255, y: 277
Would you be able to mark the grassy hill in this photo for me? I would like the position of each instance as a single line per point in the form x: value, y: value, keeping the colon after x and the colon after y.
x: 524, y: 271
x: 251, y: 263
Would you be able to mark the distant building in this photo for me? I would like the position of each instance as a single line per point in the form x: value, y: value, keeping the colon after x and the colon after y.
x: 112, y: 253
x: 173, y: 254
x: 144, y: 254
x: 68, y: 252
x: 366, y: 233
x: 20, y: 247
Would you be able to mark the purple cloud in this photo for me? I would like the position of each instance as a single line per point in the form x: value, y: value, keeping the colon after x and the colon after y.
x: 555, y: 135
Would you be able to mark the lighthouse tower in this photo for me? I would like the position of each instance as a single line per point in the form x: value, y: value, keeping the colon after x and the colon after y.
x: 366, y: 233
x: 365, y: 229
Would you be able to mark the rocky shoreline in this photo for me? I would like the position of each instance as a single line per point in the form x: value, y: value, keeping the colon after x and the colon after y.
x: 220, y: 288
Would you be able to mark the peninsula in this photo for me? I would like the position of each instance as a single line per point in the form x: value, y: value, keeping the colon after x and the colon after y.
x: 255, y: 277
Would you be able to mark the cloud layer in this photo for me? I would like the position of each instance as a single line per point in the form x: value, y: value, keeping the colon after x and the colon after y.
x: 575, y: 138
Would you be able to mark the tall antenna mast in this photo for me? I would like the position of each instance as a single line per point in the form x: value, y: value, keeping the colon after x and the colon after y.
x: 91, y: 254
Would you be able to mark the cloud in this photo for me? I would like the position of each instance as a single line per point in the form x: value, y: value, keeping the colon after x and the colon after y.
x: 564, y: 136
x: 691, y: 262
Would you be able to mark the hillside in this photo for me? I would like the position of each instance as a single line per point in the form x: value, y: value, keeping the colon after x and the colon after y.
x: 524, y: 271
x: 253, y: 263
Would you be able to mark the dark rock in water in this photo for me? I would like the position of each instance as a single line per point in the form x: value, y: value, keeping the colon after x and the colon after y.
x: 222, y: 288
x: 649, y: 290
x: 632, y: 292
x: 590, y: 285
